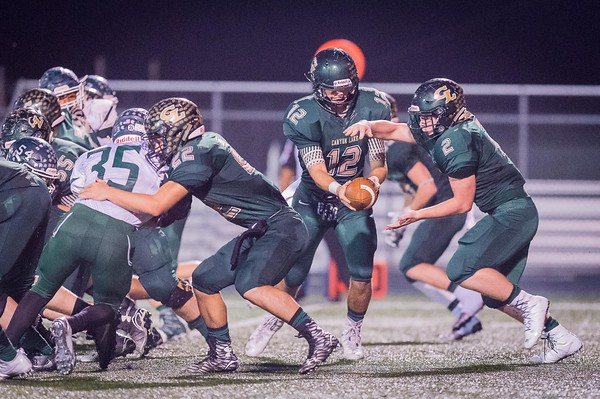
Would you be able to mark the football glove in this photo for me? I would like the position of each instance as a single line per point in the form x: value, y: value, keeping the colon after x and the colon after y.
x: 393, y: 237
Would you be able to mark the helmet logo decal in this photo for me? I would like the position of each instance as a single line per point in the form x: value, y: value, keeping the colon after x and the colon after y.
x: 342, y: 83
x: 444, y: 92
x: 171, y: 114
x: 35, y: 121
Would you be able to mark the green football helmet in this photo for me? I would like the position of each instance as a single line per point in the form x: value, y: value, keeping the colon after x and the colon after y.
x: 169, y: 123
x: 38, y: 157
x: 440, y: 98
x: 334, y: 69
x: 43, y: 101
x: 24, y: 122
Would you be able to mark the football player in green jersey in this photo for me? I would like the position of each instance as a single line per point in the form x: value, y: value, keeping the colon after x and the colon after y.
x: 491, y: 256
x: 329, y: 160
x: 424, y: 185
x: 25, y: 197
x: 36, y: 113
x: 204, y: 164
x: 67, y: 87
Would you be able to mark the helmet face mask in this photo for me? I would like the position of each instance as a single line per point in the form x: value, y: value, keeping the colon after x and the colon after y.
x: 38, y: 157
x: 435, y: 107
x: 169, y: 123
x: 335, y: 80
x: 21, y: 123
x: 65, y: 85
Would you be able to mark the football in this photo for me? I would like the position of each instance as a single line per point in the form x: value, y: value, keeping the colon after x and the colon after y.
x: 361, y: 193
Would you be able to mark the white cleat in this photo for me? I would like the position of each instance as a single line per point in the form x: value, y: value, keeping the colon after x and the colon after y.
x: 20, y: 366
x: 351, y: 340
x: 260, y: 338
x: 63, y: 338
x: 534, y: 309
x: 559, y: 343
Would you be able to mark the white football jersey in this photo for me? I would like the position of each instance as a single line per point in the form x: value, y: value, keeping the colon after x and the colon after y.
x: 122, y: 166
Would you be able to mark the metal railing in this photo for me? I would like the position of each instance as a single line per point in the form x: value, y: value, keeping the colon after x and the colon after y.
x: 217, y: 112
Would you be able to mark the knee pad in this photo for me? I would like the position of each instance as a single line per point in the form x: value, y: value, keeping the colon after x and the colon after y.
x: 179, y: 295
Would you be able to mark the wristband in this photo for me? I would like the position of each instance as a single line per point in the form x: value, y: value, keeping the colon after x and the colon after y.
x: 333, y: 186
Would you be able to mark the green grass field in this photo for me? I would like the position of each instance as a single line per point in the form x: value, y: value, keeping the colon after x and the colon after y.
x: 406, y: 358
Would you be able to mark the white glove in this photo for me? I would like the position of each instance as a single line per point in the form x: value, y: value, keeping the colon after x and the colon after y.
x: 393, y: 237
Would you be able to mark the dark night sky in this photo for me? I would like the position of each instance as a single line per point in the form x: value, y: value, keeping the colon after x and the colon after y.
x: 538, y: 42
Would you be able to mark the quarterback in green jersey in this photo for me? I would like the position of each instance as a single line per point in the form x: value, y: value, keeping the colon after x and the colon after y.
x: 205, y: 165
x: 491, y: 256
x: 329, y: 160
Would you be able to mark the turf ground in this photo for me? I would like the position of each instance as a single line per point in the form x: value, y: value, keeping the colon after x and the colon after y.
x: 406, y: 358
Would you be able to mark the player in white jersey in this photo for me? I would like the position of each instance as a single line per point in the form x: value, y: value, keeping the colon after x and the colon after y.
x: 99, y: 234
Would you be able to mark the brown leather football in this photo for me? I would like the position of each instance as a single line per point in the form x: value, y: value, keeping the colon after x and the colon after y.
x: 362, y: 193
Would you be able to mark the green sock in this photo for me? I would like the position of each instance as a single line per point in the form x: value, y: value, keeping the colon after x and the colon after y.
x: 221, y: 333
x: 198, y: 324
x: 355, y: 316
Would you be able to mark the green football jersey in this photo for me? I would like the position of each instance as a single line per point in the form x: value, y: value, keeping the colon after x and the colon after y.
x: 465, y: 150
x: 67, y: 153
x: 309, y: 125
x: 211, y: 169
x: 68, y: 131
x: 14, y: 175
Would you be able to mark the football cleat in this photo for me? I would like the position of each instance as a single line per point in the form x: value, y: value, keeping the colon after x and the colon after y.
x: 124, y: 347
x: 135, y: 322
x: 262, y: 335
x: 140, y: 326
x: 351, y: 340
x: 40, y: 363
x: 154, y: 339
x: 465, y: 325
x: 220, y: 359
x: 559, y: 343
x: 321, y: 344
x: 64, y: 353
x: 534, y: 309
x: 173, y: 328
x: 20, y: 366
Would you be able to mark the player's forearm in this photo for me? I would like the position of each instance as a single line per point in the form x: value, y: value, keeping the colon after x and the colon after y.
x: 387, y: 130
x: 379, y: 171
x: 424, y: 193
x: 135, y: 202
x: 449, y: 207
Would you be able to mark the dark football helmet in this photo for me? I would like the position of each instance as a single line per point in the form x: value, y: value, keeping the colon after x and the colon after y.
x: 170, y: 123
x: 24, y: 122
x: 37, y: 156
x: 65, y: 85
x: 97, y: 86
x: 440, y: 98
x: 129, y: 126
x: 44, y: 102
x: 334, y: 69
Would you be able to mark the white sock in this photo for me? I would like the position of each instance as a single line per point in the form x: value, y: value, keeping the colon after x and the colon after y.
x: 444, y: 297
x: 471, y: 301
